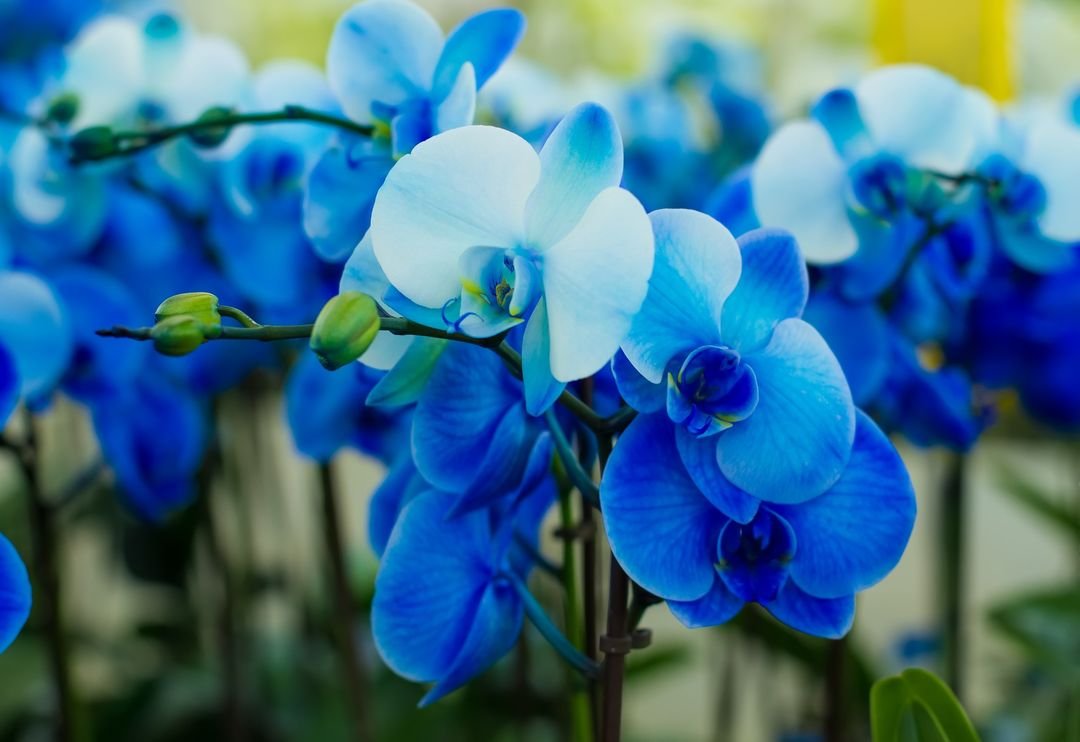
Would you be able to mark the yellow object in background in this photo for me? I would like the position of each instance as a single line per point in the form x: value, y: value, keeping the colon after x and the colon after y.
x: 970, y: 39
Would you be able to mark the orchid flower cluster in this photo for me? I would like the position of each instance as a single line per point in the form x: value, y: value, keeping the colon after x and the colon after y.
x: 507, y: 318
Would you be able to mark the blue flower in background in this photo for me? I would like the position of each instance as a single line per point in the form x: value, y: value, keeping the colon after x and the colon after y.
x: 390, y: 67
x: 477, y: 228
x: 466, y: 570
x: 719, y: 345
x: 9, y: 386
x: 15, y: 595
x: 36, y: 332
x: 804, y: 562
x: 153, y: 434
x: 327, y: 411
x: 821, y: 178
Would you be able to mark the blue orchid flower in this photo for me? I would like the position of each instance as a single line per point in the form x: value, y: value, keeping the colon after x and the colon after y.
x: 36, y: 332
x: 468, y: 570
x: 852, y: 161
x: 505, y: 237
x: 153, y: 434
x: 9, y: 386
x: 803, y: 561
x: 327, y: 411
x: 15, y: 597
x: 390, y: 67
x: 719, y: 345
x: 472, y: 435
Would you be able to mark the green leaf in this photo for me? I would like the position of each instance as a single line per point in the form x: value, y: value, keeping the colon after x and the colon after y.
x: 1039, y: 503
x: 937, y: 714
x: 1044, y: 623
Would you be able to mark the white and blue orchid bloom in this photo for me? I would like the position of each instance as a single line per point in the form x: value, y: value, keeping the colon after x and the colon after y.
x: 15, y: 595
x: 153, y: 435
x: 813, y: 177
x: 1032, y: 191
x: 506, y: 237
x: 465, y: 570
x: 390, y: 67
x: 719, y: 345
x: 36, y: 331
x: 804, y: 562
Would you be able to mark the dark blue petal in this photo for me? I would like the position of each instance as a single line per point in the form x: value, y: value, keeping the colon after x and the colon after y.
x: 639, y: 392
x: 718, y: 606
x: 661, y: 528
x: 401, y: 485
x: 9, y: 386
x: 753, y: 558
x: 15, y: 595
x: 699, y: 457
x: 432, y: 568
x: 850, y: 537
x: 858, y: 334
x: 830, y: 618
x: 485, y: 40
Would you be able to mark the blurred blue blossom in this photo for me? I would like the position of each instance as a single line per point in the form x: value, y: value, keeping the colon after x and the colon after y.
x: 14, y: 593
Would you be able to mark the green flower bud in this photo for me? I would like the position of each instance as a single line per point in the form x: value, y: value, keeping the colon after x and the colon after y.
x: 93, y: 143
x: 63, y: 109
x: 198, y: 305
x: 177, y: 336
x: 209, y: 137
x: 344, y: 329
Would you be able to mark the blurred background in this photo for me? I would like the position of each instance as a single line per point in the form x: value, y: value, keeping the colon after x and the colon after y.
x: 147, y: 656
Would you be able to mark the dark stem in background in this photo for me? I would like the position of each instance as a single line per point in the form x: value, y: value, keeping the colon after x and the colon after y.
x: 953, y: 578
x: 588, y: 561
x: 835, y: 687
x: 232, y: 710
x: 47, y: 586
x: 351, y: 659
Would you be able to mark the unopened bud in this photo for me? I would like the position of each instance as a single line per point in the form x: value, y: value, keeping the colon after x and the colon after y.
x: 344, y: 329
x: 198, y: 305
x: 93, y: 143
x: 209, y: 137
x: 63, y: 109
x: 177, y: 336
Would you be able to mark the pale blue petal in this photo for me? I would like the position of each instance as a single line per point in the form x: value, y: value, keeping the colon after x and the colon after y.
x: 15, y: 597
x: 925, y: 117
x: 699, y: 457
x: 459, y: 106
x: 830, y: 618
x: 1052, y: 154
x: 431, y: 567
x: 405, y: 381
x: 696, y: 267
x: 859, y: 337
x: 541, y: 388
x: 35, y: 330
x: 639, y: 392
x: 494, y: 631
x: 382, y: 51
x: 855, y: 533
x: 582, y: 157
x: 719, y: 606
x: 484, y: 41
x: 339, y: 197
x: 798, y: 440
x: 363, y: 273
x: 463, y: 188
x: 773, y: 287
x: 800, y: 184
x: 662, y: 529
x: 595, y: 280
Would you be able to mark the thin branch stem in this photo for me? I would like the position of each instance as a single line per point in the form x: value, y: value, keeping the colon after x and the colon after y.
x: 126, y: 143
x: 953, y: 565
x: 580, y: 478
x: 581, y: 707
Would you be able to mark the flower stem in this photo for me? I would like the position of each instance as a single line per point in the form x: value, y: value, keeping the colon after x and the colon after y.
x: 578, y: 476
x: 554, y: 637
x: 581, y: 716
x: 835, y: 680
x: 953, y: 587
x: 126, y: 143
x: 351, y: 660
